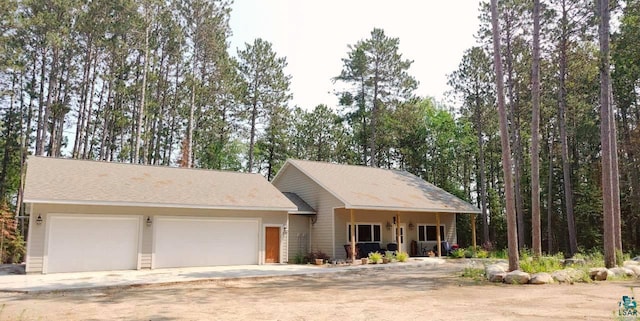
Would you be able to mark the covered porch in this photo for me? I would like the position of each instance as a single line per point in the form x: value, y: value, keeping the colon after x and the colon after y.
x: 416, y: 232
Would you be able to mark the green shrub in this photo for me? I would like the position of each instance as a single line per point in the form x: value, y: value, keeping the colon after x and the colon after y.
x: 468, y: 252
x: 391, y: 255
x: 14, y: 250
x: 458, y: 253
x: 593, y: 258
x: 402, y: 256
x: 482, y: 254
x: 375, y: 257
x: 298, y: 258
x: 542, y: 264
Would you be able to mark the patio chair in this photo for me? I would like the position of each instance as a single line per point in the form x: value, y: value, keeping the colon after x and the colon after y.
x: 445, y: 248
x: 364, y: 248
x: 392, y: 247
x: 347, y: 249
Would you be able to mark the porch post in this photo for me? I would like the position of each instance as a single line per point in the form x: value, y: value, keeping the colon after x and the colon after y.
x: 353, y: 237
x: 438, y: 236
x: 398, y: 230
x: 473, y: 232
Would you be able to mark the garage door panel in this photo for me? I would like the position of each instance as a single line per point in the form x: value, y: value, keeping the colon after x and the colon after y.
x: 87, y: 243
x: 183, y: 242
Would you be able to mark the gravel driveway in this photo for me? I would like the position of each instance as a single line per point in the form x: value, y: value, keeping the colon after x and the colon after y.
x: 395, y: 293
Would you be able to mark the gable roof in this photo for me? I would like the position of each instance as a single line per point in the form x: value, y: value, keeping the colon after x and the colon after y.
x: 67, y: 181
x: 303, y: 207
x: 360, y: 187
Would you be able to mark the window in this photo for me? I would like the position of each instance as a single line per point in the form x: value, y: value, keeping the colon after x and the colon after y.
x: 365, y: 232
x: 428, y: 233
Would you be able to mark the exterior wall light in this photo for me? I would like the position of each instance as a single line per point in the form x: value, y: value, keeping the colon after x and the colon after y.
x: 284, y: 230
x: 411, y: 226
x: 149, y: 221
x: 39, y: 220
x: 388, y: 226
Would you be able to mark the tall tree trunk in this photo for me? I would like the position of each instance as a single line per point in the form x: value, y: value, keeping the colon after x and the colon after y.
x: 550, y: 233
x: 615, y: 176
x: 136, y: 151
x: 252, y: 135
x: 51, y: 94
x: 481, y: 169
x: 566, y: 166
x: 512, y: 233
x: 84, y: 94
x: 89, y: 108
x: 374, y: 123
x: 254, y: 116
x: 191, y: 123
x: 515, y: 134
x: 106, y: 123
x: 605, y: 137
x: 536, y: 239
x: 89, y: 145
x: 40, y: 128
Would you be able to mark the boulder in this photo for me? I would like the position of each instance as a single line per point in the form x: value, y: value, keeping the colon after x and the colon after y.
x: 621, y: 271
x: 599, y: 274
x: 495, y: 272
x: 497, y: 277
x: 517, y: 277
x: 637, y: 259
x: 568, y: 275
x: 635, y: 269
x: 541, y: 278
x: 496, y: 268
x: 631, y: 263
x: 630, y: 272
x: 503, y: 265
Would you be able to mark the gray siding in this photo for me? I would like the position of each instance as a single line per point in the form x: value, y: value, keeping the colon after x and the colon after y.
x: 298, y: 235
x: 36, y: 241
x: 322, y: 232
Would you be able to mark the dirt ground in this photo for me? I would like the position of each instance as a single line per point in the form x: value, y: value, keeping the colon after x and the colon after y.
x: 394, y: 293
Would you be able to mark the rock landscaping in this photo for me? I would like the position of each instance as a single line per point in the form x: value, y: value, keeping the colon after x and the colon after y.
x: 497, y: 273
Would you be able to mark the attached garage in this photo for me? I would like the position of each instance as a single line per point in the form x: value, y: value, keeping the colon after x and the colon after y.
x: 101, y: 216
x: 77, y: 243
x: 190, y: 241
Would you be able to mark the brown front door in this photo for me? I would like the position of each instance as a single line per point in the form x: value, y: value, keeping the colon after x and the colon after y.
x: 272, y: 245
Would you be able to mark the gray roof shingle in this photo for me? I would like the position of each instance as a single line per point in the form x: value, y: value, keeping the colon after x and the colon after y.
x: 361, y: 187
x: 67, y: 181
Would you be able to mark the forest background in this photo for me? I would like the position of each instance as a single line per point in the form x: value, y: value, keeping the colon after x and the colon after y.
x: 155, y: 82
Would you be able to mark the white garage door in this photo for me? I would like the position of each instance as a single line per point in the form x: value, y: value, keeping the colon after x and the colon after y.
x: 92, y: 243
x: 182, y: 242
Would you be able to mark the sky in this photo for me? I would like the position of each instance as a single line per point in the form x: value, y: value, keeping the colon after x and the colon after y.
x: 314, y: 35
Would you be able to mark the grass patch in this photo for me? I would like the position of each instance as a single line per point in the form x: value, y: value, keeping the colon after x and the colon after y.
x: 499, y: 254
x: 474, y: 273
x: 547, y: 264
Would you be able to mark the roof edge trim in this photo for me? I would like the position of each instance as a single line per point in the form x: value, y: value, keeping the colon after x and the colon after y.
x: 410, y: 209
x: 334, y: 194
x: 169, y: 205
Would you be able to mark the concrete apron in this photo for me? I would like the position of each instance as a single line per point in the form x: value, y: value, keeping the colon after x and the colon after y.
x: 113, y: 279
